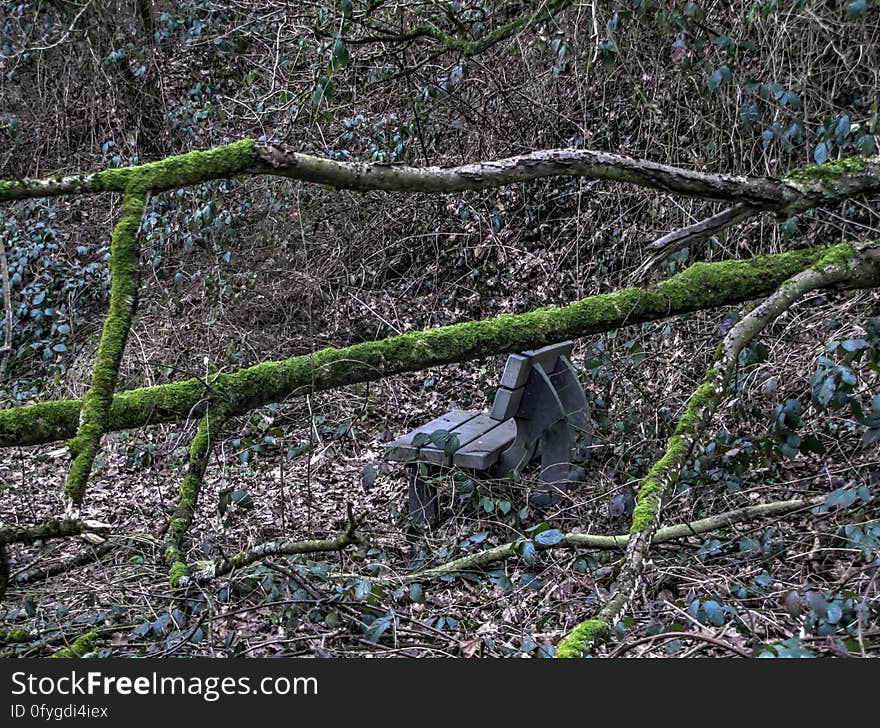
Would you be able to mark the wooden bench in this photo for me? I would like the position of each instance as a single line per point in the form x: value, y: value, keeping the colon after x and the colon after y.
x: 539, y: 411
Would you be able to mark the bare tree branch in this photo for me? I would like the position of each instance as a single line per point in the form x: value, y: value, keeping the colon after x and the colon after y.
x: 203, y: 572
x: 672, y: 242
x: 802, y: 189
x: 546, y: 9
x: 482, y: 559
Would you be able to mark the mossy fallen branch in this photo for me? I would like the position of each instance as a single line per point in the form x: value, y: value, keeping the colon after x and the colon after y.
x: 42, y: 532
x: 833, y: 268
x: 188, y: 496
x: 701, y: 286
x: 95, y: 413
x: 181, y: 170
x: 62, y: 566
x: 55, y: 528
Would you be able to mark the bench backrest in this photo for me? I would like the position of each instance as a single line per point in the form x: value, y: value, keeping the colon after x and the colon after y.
x: 516, y: 375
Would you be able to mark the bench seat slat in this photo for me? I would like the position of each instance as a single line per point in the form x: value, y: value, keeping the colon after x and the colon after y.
x: 403, y: 450
x: 467, y: 433
x: 483, y: 452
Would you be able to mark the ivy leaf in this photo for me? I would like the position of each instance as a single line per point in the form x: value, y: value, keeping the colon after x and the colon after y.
x: 379, y: 626
x: 791, y: 100
x: 826, y: 392
x: 812, y: 444
x: 528, y: 552
x: 748, y: 116
x: 867, y: 146
x: 324, y: 89
x: 854, y: 344
x: 242, y: 498
x: 843, y: 497
x: 420, y: 439
x: 821, y: 153
x: 717, y: 77
x: 817, y: 603
x: 439, y: 437
x: 237, y: 497
x: 856, y: 9
x: 369, y: 473
x: 549, y: 538
x: 340, y: 58
x: 792, y: 604
x: 843, y: 128
x: 714, y: 613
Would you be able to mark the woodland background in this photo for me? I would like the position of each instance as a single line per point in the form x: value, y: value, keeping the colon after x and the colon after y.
x: 240, y: 271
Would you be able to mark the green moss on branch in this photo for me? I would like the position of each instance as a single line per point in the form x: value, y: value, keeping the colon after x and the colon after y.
x: 702, y: 286
x: 827, y: 172
x: 188, y: 496
x: 14, y: 636
x: 678, y: 448
x: 584, y: 634
x: 95, y: 412
x: 178, y: 570
x: 181, y: 170
x: 79, y: 647
x: 52, y: 529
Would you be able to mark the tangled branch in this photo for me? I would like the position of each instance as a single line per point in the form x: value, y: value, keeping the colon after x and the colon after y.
x: 864, y: 268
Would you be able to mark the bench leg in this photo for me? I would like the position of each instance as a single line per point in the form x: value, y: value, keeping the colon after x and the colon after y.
x: 422, y: 498
x: 557, y: 472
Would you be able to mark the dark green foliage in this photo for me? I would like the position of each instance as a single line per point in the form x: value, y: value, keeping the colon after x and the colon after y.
x: 51, y: 292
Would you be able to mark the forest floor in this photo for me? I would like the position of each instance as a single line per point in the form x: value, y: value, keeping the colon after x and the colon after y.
x: 805, y: 584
